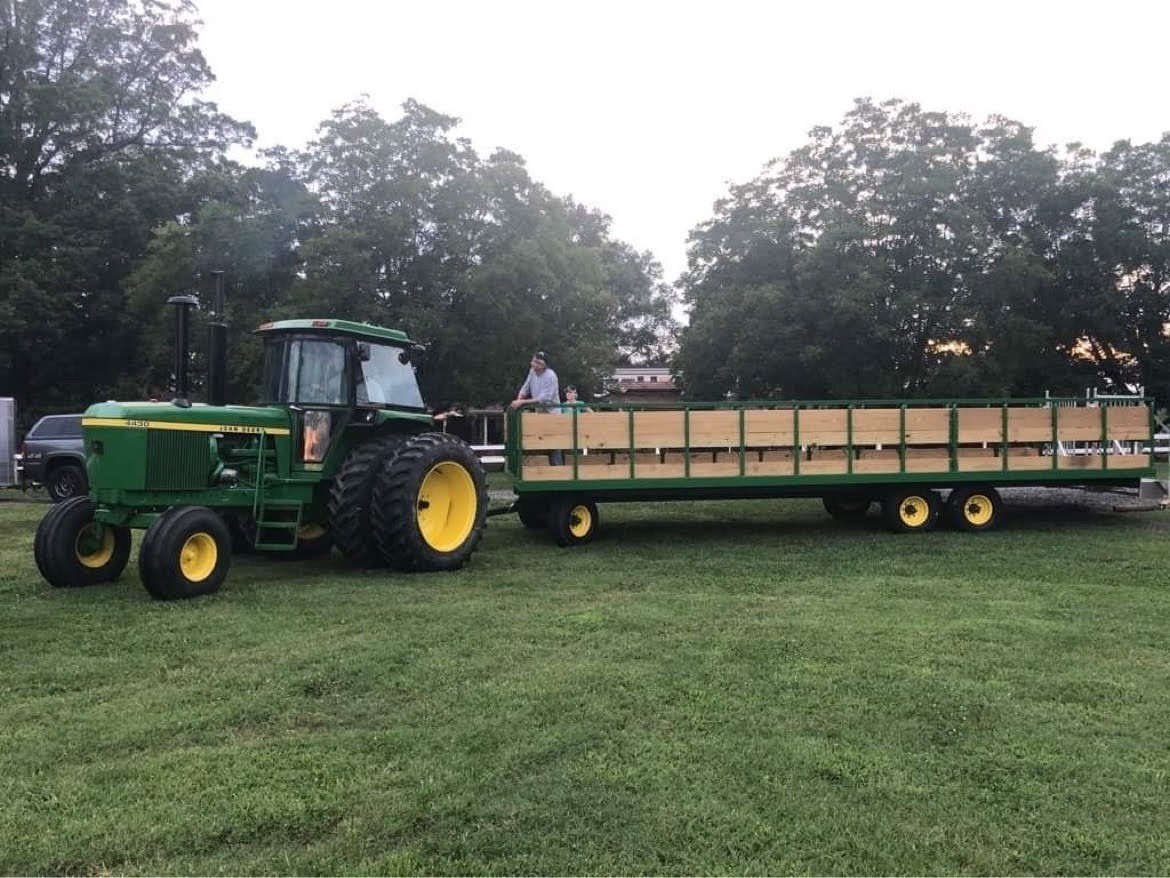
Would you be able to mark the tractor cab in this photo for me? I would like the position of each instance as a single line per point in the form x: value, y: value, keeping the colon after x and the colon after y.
x: 335, y: 372
x: 338, y: 363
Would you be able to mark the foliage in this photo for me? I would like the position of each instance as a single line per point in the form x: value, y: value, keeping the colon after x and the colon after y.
x: 101, y: 124
x: 711, y: 688
x: 915, y: 253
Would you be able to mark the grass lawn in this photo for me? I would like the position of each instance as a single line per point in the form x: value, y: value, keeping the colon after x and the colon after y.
x: 709, y: 688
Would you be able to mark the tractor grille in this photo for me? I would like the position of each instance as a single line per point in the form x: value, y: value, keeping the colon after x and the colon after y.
x: 177, y: 460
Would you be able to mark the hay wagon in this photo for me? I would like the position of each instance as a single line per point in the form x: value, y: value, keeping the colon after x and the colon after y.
x: 900, y: 454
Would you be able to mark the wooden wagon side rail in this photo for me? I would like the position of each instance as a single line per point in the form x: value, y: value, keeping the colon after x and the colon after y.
x: 848, y: 439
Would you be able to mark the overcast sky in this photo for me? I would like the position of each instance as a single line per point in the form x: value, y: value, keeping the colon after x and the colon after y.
x: 649, y: 110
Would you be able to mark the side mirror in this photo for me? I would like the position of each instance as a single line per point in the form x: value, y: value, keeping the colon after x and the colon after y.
x: 412, y: 355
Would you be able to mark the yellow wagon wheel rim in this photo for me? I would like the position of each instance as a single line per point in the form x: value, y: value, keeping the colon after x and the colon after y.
x: 914, y: 511
x: 94, y: 546
x: 198, y: 557
x: 978, y: 509
x: 446, y: 506
x: 580, y: 521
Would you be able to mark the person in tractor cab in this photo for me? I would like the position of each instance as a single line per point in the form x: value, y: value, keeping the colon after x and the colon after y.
x: 540, y: 387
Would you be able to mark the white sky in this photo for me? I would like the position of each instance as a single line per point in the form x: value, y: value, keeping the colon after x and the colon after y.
x: 649, y: 110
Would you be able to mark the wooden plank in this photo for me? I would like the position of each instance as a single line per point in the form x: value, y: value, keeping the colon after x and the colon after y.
x: 768, y: 427
x: 1078, y: 424
x: 778, y: 467
x: 713, y: 429
x: 603, y: 430
x: 657, y: 429
x: 1129, y: 461
x: 878, y: 465
x: 928, y: 465
x: 877, y: 426
x: 823, y: 426
x: 541, y: 430
x: 981, y: 425
x: 1079, y: 461
x: 1029, y: 425
x: 824, y: 467
x: 980, y: 464
x: 550, y: 473
x: 928, y: 426
x: 1129, y: 423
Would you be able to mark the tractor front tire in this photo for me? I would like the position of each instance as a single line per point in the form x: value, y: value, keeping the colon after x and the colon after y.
x: 430, y: 504
x: 72, y: 550
x: 185, y: 553
x: 351, y: 496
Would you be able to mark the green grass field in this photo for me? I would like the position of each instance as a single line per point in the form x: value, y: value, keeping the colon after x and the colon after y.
x: 710, y: 688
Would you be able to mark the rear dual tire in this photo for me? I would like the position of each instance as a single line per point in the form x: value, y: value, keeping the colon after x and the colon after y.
x: 429, y: 504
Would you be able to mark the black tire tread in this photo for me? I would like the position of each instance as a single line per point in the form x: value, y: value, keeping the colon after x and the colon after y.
x: 161, y: 546
x: 351, y: 496
x: 394, y: 516
x: 53, y: 479
x: 55, y: 540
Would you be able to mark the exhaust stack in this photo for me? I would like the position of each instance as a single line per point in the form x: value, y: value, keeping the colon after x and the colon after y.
x: 217, y: 347
x: 183, y: 305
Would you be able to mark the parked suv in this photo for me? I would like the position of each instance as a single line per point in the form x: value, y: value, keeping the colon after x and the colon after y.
x: 54, y: 456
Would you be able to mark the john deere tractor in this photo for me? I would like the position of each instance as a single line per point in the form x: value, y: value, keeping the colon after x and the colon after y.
x: 338, y: 453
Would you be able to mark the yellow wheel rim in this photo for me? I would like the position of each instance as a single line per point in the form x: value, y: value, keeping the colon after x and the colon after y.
x: 580, y: 521
x: 198, y: 557
x: 94, y: 546
x: 447, y: 505
x: 914, y: 511
x: 311, y: 531
x: 978, y: 509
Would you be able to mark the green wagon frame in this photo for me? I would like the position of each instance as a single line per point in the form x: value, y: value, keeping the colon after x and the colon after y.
x: 851, y: 453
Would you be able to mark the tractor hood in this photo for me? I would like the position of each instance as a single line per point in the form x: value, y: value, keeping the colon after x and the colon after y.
x: 201, y: 417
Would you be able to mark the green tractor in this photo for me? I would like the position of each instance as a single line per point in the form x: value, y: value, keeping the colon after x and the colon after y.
x: 340, y: 453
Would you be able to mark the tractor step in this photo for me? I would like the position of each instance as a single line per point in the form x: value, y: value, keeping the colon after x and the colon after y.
x: 277, y: 523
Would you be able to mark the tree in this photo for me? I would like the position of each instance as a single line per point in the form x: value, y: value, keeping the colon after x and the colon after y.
x: 912, y: 253
x: 469, y: 255
x: 100, y: 127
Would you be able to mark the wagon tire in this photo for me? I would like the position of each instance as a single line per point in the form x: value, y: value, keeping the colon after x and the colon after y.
x: 910, y: 510
x: 974, y: 508
x: 71, y: 549
x: 186, y: 553
x: 574, y: 522
x: 533, y: 514
x: 430, y: 504
x: 846, y: 508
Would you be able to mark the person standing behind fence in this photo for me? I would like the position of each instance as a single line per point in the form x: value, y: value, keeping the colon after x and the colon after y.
x: 540, y: 386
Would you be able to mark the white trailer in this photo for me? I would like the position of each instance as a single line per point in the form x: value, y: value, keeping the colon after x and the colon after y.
x: 9, y: 474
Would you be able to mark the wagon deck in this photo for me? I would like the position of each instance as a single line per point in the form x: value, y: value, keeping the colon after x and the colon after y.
x: 864, y: 449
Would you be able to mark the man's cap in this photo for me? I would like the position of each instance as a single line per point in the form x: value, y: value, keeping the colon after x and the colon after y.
x: 571, y: 387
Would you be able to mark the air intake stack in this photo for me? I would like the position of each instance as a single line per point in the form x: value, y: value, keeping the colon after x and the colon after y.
x: 183, y: 305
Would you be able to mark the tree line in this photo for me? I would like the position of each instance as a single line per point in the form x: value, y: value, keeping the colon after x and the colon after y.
x: 907, y: 253
x: 901, y: 253
x: 117, y: 190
